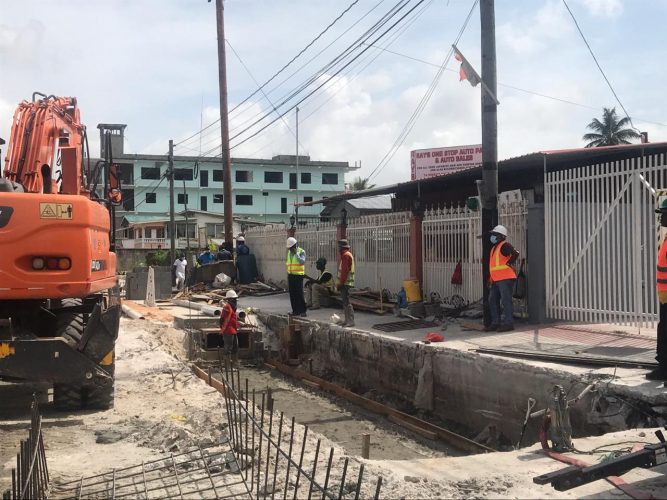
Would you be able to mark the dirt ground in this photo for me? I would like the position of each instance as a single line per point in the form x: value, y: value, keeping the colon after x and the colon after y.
x: 162, y: 407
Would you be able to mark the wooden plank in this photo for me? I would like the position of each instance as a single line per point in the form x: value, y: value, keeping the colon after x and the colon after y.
x: 414, y: 428
x: 218, y: 385
x: 311, y: 384
x: 471, y: 325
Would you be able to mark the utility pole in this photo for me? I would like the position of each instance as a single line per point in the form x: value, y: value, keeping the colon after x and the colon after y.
x: 224, y: 124
x: 489, y: 185
x: 172, y: 226
x: 296, y: 206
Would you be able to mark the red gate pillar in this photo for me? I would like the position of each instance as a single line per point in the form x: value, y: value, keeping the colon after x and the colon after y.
x: 416, y: 257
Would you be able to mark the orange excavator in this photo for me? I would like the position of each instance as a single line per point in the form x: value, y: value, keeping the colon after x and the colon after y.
x: 59, y: 299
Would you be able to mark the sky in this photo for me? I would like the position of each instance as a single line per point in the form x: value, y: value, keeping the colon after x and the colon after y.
x: 152, y: 65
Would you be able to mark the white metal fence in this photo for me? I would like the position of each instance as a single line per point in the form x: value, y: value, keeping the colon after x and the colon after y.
x: 452, y: 235
x: 268, y: 245
x: 381, y: 248
x: 601, y: 240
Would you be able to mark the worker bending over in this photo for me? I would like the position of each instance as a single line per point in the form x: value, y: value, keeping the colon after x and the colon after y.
x: 346, y: 280
x: 229, y: 328
x: 321, y: 287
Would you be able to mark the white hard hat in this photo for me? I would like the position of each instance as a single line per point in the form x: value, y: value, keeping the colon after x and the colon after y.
x: 231, y: 294
x: 500, y: 230
x: 291, y: 242
x: 240, y: 238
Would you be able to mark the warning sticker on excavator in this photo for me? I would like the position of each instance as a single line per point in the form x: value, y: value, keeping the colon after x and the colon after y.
x: 55, y: 210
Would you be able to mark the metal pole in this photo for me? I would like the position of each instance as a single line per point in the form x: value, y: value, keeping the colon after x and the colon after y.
x: 489, y: 188
x: 296, y: 206
x: 224, y: 124
x: 172, y: 226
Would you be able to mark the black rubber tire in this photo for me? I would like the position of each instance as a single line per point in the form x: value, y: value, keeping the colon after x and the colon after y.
x: 70, y: 327
x: 101, y: 398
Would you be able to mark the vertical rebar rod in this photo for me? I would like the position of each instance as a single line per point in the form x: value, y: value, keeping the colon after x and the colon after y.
x: 312, y: 477
x: 113, y: 484
x: 377, y: 489
x: 275, y: 468
x: 326, y: 479
x: 252, y: 460
x: 259, y: 455
x: 208, y: 472
x: 247, y: 417
x: 178, y: 481
x: 78, y: 493
x: 298, y: 470
x: 361, y: 476
x: 342, y: 479
x: 268, y: 452
x: 289, y: 457
x: 143, y: 475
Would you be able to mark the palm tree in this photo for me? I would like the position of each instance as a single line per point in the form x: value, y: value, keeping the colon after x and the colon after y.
x: 359, y: 184
x: 610, y: 131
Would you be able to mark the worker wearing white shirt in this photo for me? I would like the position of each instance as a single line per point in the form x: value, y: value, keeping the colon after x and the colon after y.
x: 180, y: 264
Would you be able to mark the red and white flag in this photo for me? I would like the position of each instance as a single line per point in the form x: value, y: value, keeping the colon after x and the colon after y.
x: 466, y: 72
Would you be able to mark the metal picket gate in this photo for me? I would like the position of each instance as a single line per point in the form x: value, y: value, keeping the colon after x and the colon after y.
x: 601, y: 241
x: 452, y: 235
x: 381, y: 248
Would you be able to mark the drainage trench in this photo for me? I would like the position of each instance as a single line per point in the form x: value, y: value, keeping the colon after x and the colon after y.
x: 480, y: 397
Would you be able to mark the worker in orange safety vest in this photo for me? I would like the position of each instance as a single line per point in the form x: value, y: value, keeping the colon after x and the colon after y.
x: 660, y: 373
x: 502, y: 279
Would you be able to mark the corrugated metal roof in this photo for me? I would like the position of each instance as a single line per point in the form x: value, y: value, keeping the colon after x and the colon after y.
x: 373, y: 203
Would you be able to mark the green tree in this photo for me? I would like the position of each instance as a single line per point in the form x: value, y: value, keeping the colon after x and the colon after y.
x: 610, y: 131
x: 359, y: 184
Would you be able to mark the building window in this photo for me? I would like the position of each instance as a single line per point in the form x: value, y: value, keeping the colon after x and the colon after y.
x: 273, y: 177
x: 182, y: 199
x: 306, y: 199
x: 183, y: 174
x: 159, y: 232
x: 128, y: 199
x: 244, y: 199
x: 243, y: 176
x: 180, y: 230
x: 218, y: 198
x: 215, y: 230
x: 292, y: 181
x: 329, y: 178
x: 283, y: 205
x: 217, y: 176
x: 127, y: 173
x: 150, y: 173
x: 151, y: 198
x: 203, y: 178
x: 305, y: 177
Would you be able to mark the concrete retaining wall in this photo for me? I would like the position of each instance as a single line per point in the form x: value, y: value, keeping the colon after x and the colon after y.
x: 470, y: 390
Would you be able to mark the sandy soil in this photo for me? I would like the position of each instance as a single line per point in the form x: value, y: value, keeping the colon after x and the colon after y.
x: 162, y: 407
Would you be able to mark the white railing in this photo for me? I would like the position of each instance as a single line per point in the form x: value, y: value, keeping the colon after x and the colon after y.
x: 381, y: 248
x: 601, y: 240
x: 452, y: 235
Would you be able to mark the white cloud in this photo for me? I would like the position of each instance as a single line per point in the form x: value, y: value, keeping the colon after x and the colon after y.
x: 604, y: 8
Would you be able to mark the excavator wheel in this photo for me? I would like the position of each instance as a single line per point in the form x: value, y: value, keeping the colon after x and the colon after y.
x: 70, y: 327
x: 101, y: 398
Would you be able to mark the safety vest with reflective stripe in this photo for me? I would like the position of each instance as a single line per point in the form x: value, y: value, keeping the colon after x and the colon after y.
x: 499, y: 268
x: 350, y: 276
x: 293, y: 265
x: 661, y: 274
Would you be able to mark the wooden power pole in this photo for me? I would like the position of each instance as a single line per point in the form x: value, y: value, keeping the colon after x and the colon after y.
x: 224, y: 123
x: 489, y: 186
x: 172, y: 225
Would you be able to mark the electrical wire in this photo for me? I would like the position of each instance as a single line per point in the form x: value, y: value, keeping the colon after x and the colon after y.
x: 598, y: 64
x: 322, y: 84
x: 422, y: 104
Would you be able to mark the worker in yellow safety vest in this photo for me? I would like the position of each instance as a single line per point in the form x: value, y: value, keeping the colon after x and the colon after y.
x: 346, y: 280
x: 502, y: 279
x: 296, y: 269
x: 660, y: 373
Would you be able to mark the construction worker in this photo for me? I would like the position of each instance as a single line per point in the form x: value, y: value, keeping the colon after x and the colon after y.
x: 180, y: 265
x: 346, y: 280
x: 321, y: 287
x: 296, y: 269
x: 229, y: 327
x: 660, y: 373
x: 502, y: 279
x: 241, y: 247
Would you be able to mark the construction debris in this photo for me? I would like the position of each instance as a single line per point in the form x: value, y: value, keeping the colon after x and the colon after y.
x: 212, y: 295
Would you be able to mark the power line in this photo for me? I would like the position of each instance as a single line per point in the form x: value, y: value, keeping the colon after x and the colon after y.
x: 340, y: 16
x: 519, y: 89
x: 326, y: 81
x: 598, y: 64
x: 422, y: 104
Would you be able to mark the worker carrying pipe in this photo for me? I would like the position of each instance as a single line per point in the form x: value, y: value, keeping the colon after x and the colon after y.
x: 502, y: 279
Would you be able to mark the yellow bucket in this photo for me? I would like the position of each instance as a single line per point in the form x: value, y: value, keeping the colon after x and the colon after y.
x: 412, y: 291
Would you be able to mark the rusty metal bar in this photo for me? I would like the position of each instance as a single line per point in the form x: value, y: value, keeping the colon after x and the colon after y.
x: 326, y: 480
x: 361, y: 475
x: 317, y: 456
x: 342, y: 479
x: 275, y: 468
